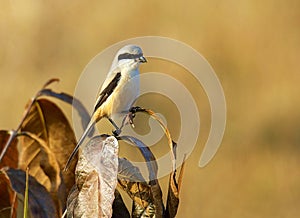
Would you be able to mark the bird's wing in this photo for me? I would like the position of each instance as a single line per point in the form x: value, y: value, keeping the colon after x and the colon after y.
x: 107, y: 91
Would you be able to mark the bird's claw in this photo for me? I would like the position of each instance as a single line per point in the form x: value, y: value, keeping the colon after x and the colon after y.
x: 116, y: 132
x: 132, y: 113
x: 128, y: 119
x: 133, y: 110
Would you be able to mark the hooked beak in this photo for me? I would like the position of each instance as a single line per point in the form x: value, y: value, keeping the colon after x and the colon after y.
x: 142, y: 59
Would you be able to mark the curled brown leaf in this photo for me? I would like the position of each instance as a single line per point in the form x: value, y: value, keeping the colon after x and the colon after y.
x: 10, y: 152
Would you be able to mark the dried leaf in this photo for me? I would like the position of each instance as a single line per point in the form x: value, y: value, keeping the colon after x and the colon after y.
x: 131, y: 180
x: 173, y: 192
x: 40, y: 202
x: 53, y: 143
x: 155, y: 190
x: 139, y: 192
x: 47, y: 121
x: 147, y: 154
x: 96, y: 179
x: 127, y: 171
x: 8, y: 203
x: 48, y: 162
x: 90, y: 203
x: 166, y: 130
x: 119, y: 208
x: 11, y: 155
x: 157, y: 198
x: 82, y: 112
x: 138, y: 211
x: 173, y: 197
x: 72, y: 201
x: 50, y: 81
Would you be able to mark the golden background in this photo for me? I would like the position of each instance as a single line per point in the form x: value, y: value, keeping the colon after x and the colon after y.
x: 253, y: 47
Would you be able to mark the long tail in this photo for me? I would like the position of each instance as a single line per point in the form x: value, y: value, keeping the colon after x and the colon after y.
x: 85, y: 133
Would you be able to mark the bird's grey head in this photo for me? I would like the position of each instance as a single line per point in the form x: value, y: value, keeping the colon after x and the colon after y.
x: 129, y: 53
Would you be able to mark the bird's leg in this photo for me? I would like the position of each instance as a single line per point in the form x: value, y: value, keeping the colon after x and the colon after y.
x: 130, y: 115
x: 127, y: 119
x: 117, y: 130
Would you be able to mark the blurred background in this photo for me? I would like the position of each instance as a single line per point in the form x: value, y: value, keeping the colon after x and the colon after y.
x: 253, y: 47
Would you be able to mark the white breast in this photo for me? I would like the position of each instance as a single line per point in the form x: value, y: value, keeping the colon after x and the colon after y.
x: 125, y: 94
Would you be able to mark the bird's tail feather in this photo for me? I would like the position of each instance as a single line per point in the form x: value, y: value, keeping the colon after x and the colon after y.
x: 85, y: 133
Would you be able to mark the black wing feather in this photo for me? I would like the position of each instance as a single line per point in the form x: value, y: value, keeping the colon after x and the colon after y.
x: 108, y: 90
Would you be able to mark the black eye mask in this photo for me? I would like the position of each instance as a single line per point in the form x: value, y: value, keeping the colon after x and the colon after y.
x: 129, y: 56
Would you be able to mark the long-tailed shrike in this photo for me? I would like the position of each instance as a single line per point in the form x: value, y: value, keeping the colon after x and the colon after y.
x: 119, y: 90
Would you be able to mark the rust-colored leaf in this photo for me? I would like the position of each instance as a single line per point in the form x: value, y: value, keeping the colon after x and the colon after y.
x: 173, y: 192
x: 139, y: 192
x: 11, y: 155
x: 47, y: 122
x: 50, y: 81
x: 49, y: 163
x: 8, y: 203
x: 173, y: 197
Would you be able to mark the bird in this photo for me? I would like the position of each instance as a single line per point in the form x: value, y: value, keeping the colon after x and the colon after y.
x: 118, y: 91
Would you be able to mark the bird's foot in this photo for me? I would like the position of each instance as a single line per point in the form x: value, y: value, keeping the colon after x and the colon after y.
x: 128, y: 119
x: 117, y: 132
x: 132, y: 113
x: 136, y: 109
x: 130, y: 116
